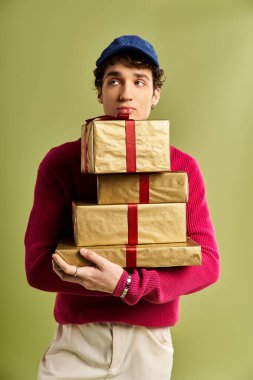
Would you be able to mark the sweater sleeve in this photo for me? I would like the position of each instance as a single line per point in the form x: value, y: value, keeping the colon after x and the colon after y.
x: 162, y: 285
x: 46, y: 225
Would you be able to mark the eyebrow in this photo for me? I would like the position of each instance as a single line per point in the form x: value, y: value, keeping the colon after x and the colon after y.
x: 118, y: 74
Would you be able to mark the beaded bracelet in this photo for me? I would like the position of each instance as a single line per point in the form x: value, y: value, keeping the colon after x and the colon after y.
x: 129, y: 279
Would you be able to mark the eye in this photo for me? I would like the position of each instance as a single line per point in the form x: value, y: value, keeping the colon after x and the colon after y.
x: 113, y: 82
x: 140, y: 83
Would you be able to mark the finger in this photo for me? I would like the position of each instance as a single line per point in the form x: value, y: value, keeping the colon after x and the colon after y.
x: 56, y: 268
x: 94, y: 257
x: 69, y: 269
x: 63, y: 276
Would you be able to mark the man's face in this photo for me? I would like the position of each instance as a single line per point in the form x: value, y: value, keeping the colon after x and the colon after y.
x: 128, y: 90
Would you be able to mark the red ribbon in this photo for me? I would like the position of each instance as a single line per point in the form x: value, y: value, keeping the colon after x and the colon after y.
x: 132, y: 220
x: 120, y: 116
x: 130, y: 140
x: 144, y: 188
x: 131, y: 261
x: 130, y: 146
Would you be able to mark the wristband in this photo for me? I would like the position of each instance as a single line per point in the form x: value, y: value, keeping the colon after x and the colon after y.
x: 129, y: 279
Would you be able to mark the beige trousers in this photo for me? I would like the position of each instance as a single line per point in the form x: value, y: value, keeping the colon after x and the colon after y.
x: 108, y: 351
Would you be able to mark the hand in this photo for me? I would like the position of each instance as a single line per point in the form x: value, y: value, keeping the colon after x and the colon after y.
x: 103, y: 277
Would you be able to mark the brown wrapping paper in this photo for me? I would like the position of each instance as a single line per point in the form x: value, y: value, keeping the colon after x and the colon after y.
x: 125, y: 188
x: 106, y: 148
x: 108, y: 224
x: 147, y: 255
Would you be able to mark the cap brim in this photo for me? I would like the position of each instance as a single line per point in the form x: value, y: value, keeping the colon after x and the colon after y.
x: 100, y: 61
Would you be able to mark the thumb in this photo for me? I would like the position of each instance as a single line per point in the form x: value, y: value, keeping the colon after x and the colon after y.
x: 93, y: 256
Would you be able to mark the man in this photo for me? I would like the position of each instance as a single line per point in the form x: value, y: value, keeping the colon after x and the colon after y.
x: 112, y: 322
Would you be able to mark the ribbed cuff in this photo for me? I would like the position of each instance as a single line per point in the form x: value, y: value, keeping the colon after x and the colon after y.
x: 124, y: 293
x: 121, y: 284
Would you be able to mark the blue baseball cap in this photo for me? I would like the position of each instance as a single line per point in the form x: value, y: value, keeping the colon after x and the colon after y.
x: 129, y: 43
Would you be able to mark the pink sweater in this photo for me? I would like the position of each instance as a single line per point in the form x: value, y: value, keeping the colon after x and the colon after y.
x: 154, y: 294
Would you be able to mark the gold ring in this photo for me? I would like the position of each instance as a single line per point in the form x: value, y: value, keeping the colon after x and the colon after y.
x: 75, y: 274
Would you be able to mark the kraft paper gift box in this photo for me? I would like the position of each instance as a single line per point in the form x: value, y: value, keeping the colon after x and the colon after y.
x: 142, y: 188
x: 146, y: 255
x: 119, y: 146
x: 128, y: 224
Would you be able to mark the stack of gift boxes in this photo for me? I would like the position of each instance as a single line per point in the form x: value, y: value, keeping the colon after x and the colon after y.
x: 140, y: 217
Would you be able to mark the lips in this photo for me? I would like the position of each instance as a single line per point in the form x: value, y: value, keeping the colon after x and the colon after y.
x: 125, y: 109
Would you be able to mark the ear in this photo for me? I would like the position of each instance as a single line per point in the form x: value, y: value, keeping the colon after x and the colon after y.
x: 156, y: 96
x: 100, y: 97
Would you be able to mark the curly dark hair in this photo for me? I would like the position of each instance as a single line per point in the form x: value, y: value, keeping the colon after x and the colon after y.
x: 130, y: 59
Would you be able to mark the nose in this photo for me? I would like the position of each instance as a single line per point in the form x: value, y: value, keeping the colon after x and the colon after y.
x: 125, y: 92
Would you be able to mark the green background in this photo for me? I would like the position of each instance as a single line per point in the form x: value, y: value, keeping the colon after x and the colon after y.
x: 48, y: 51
